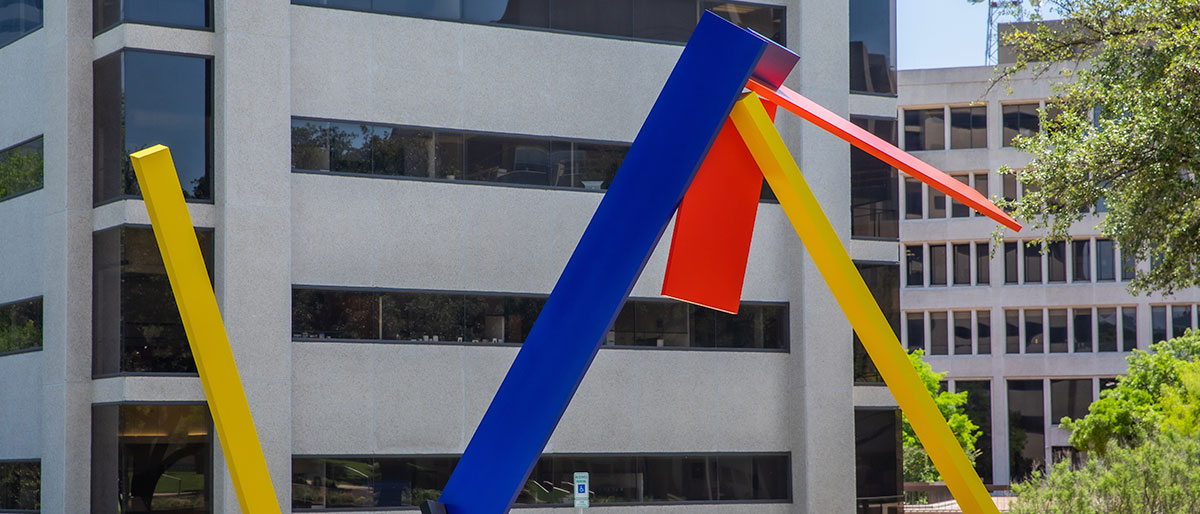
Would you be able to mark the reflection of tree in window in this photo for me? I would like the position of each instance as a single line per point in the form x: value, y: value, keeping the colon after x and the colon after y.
x: 21, y: 168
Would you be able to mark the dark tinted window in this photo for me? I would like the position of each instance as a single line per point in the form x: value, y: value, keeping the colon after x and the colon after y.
x: 195, y: 14
x: 962, y: 333
x: 937, y: 265
x: 1129, y: 328
x: 21, y: 325
x: 924, y: 129
x: 912, y: 199
x: 21, y: 168
x: 767, y: 20
x: 883, y: 280
x: 1106, y: 327
x: 937, y: 204
x: 613, y: 17
x: 1026, y: 428
x: 1106, y: 268
x: 1034, y: 338
x: 981, y: 185
x: 1181, y: 319
x: 877, y: 453
x: 915, y: 259
x: 1083, y: 329
x: 1033, y: 264
x: 872, y: 62
x: 20, y: 486
x: 1056, y: 262
x: 874, y: 199
x: 1158, y: 324
x: 983, y: 332
x: 1081, y: 261
x: 151, y: 458
x: 1019, y: 120
x: 136, y: 326
x: 968, y: 127
x: 1009, y: 183
x: 1058, y: 331
x: 979, y: 409
x: 1010, y: 263
x: 1069, y: 399
x: 983, y: 271
x: 938, y: 343
x: 959, y: 209
x: 916, y: 331
x: 18, y: 18
x: 142, y: 99
x: 1012, y: 331
x: 1128, y: 266
x: 962, y: 264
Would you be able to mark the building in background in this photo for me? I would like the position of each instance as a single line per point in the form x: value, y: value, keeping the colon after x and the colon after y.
x: 385, y: 194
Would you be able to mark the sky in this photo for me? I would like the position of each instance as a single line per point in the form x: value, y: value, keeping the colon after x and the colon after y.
x: 940, y: 33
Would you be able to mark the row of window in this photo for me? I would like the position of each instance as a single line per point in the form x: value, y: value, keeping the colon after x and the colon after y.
x: 188, y: 14
x: 1169, y: 321
x: 925, y: 129
x: 1027, y: 423
x: 20, y: 486
x: 19, y: 18
x: 969, y: 263
x: 21, y: 168
x: 641, y: 19
x: 21, y: 325
x: 319, y: 314
x: 1073, y: 330
x: 921, y: 201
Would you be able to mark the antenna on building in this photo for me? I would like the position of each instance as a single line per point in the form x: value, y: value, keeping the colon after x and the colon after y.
x: 995, y: 10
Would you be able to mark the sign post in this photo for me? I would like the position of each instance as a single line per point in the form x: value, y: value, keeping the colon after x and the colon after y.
x: 581, y: 490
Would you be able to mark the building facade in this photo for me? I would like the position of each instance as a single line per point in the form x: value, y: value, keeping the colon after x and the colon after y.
x: 385, y: 192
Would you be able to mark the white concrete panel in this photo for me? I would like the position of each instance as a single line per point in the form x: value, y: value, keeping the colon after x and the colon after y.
x: 22, y: 261
x: 24, y: 85
x: 21, y: 403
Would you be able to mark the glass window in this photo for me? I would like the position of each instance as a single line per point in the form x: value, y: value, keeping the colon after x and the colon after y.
x: 767, y: 20
x: 937, y: 265
x: 1158, y: 324
x: 21, y: 325
x: 1026, y: 428
x: 1129, y: 328
x: 872, y: 60
x: 1010, y: 186
x: 1019, y: 120
x: 21, y: 168
x: 151, y: 458
x: 1033, y: 264
x: 136, y: 326
x: 874, y: 200
x: 1012, y: 331
x: 1081, y: 261
x: 924, y: 129
x: 916, y: 331
x: 1128, y: 265
x: 141, y: 99
x: 20, y: 486
x: 192, y: 14
x: 968, y: 127
x: 878, y: 455
x: 1105, y: 260
x: 914, y: 256
x: 754, y: 326
x: 983, y: 332
x: 335, y: 314
x: 938, y: 334
x: 1069, y: 399
x: 1058, y: 330
x: 310, y: 145
x: 883, y: 280
x: 1106, y: 328
x: 959, y: 209
x: 664, y: 20
x: 1181, y: 319
x: 913, y: 202
x: 596, y: 164
x: 613, y: 18
x: 483, y: 11
x: 1082, y: 323
x: 962, y: 264
x: 962, y: 333
x: 1010, y: 263
x: 1056, y: 262
x: 1034, y: 341
x: 983, y: 272
x: 350, y: 148
x: 18, y: 18
x: 981, y: 185
x: 978, y: 409
x: 937, y: 204
x: 508, y: 159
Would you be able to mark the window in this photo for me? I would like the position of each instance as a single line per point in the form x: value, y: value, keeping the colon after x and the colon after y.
x: 937, y: 265
x: 938, y: 333
x: 937, y: 204
x: 1158, y: 324
x: 1106, y: 328
x: 20, y: 486
x: 19, y: 18
x: 21, y: 326
x: 1056, y: 262
x: 339, y: 314
x: 1081, y: 260
x: 136, y: 326
x: 1010, y: 263
x: 1082, y: 323
x: 1019, y: 120
x: 872, y: 59
x: 1128, y: 265
x: 1105, y: 263
x: 1129, y: 328
x: 141, y: 451
x: 878, y: 459
x: 979, y: 410
x: 1033, y: 265
x: 1026, y: 428
x: 874, y: 200
x: 1181, y: 319
x: 1009, y: 183
x: 916, y: 331
x: 962, y: 264
x: 1012, y: 331
x: 320, y: 483
x: 983, y: 275
x: 959, y: 209
x: 925, y: 129
x: 1069, y: 399
x: 912, y: 199
x: 968, y: 127
x: 883, y: 280
x: 983, y: 332
x: 146, y: 98
x: 1058, y: 330
x: 916, y: 265
x: 188, y: 14
x: 962, y: 333
x: 21, y: 168
x: 981, y: 185
x: 670, y: 21
x: 1034, y: 342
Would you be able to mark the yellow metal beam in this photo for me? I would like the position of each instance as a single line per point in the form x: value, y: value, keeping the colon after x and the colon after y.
x: 206, y: 332
x: 832, y: 260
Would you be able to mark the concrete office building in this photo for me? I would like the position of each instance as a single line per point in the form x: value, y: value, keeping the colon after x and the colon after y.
x: 385, y: 193
x: 1033, y: 337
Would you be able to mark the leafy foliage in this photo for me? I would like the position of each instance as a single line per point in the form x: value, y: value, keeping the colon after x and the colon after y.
x: 917, y: 466
x: 1123, y: 128
x: 20, y: 170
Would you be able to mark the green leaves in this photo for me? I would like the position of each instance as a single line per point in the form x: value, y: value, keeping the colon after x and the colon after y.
x: 917, y: 466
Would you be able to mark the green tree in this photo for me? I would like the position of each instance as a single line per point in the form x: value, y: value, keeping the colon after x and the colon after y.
x: 917, y: 466
x: 20, y: 170
x: 1123, y: 128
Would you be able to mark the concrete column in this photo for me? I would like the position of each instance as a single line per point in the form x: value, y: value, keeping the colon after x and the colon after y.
x: 67, y: 323
x: 252, y: 119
